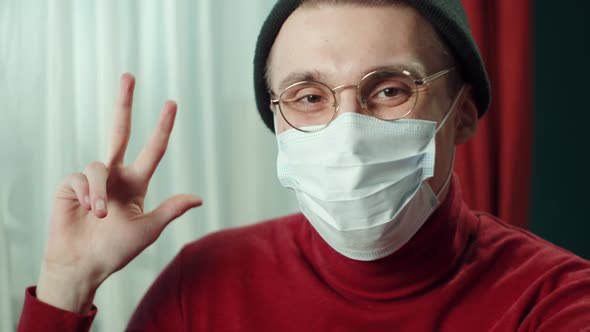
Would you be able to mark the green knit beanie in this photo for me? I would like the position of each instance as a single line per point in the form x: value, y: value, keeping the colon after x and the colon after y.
x: 447, y: 16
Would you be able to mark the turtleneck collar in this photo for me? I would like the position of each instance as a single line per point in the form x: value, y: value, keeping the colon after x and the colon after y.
x: 426, y: 259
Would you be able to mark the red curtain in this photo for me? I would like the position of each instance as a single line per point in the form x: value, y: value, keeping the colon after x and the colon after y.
x: 495, y: 166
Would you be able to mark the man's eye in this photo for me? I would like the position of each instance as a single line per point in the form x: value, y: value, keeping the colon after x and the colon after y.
x: 312, y: 99
x: 390, y: 92
x: 388, y: 95
x: 387, y: 89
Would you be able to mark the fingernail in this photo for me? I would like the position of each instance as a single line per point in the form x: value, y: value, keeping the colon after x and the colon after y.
x: 100, y: 205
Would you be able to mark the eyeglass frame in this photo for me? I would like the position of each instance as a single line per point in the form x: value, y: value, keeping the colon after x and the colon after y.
x: 418, y: 82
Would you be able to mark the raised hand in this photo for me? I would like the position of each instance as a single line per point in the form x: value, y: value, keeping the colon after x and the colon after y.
x: 98, y: 224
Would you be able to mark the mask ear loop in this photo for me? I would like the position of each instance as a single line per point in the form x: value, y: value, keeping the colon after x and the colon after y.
x: 448, y: 180
x: 452, y: 108
x: 450, y: 172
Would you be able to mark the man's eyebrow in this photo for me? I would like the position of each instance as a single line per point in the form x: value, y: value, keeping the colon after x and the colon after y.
x: 415, y: 68
x: 312, y: 75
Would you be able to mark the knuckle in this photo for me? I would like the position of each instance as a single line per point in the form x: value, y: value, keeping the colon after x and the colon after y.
x: 72, y: 179
x: 77, y: 176
x: 94, y: 166
x: 81, y: 183
x: 76, y: 182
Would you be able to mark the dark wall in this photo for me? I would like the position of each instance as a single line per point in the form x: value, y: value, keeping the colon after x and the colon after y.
x: 561, y: 157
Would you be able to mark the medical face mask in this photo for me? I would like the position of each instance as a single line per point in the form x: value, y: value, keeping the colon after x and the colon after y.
x: 361, y: 181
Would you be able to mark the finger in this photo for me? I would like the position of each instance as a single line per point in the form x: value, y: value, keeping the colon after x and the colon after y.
x: 152, y: 153
x: 121, y: 128
x: 169, y: 210
x: 97, y: 175
x: 78, y: 183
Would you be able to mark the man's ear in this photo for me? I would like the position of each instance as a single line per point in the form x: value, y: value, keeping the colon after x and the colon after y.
x: 466, y: 119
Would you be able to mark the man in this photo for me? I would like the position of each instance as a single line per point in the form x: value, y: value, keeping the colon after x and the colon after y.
x: 368, y: 100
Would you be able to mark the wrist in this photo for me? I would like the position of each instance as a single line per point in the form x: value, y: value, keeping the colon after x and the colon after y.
x: 66, y: 291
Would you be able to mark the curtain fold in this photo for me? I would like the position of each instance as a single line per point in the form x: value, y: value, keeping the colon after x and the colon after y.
x: 495, y: 166
x: 6, y: 309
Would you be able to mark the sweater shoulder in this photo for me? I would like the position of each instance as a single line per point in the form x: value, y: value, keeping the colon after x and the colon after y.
x: 262, y: 240
x: 540, y: 282
x: 493, y: 230
x: 513, y: 246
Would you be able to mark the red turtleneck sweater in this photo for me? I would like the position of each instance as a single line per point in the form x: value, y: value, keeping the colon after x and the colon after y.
x: 463, y: 271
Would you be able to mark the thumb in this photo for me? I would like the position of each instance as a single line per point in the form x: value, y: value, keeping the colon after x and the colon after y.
x: 171, y: 209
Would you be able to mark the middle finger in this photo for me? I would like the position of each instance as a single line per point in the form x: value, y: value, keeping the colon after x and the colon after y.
x: 152, y: 153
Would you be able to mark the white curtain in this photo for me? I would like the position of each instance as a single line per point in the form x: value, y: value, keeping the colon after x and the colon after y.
x: 60, y: 61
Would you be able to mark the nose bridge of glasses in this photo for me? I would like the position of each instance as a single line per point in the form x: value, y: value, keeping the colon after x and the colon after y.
x: 356, y: 92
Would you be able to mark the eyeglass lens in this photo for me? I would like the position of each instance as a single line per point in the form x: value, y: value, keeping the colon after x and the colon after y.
x: 387, y: 95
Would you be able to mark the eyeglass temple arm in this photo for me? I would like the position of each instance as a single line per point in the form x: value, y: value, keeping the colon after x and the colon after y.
x: 434, y: 76
x: 272, y: 101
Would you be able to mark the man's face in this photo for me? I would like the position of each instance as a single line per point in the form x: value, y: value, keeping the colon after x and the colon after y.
x: 343, y: 43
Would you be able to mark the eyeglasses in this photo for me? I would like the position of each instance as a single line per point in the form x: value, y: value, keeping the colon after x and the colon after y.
x: 311, y: 106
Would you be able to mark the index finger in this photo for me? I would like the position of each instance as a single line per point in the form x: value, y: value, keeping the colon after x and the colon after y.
x: 121, y: 128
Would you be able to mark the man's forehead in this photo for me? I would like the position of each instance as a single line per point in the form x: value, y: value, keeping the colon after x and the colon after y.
x: 318, y: 41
